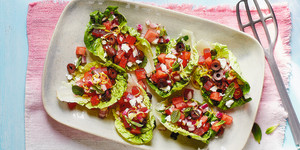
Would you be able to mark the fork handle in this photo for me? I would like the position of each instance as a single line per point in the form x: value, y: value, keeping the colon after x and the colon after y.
x: 292, y: 117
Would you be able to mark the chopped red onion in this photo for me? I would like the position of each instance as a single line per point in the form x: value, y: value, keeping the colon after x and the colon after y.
x: 219, y: 115
x: 204, y: 106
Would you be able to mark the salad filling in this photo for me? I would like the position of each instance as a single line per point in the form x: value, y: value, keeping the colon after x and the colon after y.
x: 188, y: 117
x: 174, y: 64
x: 108, y: 37
x: 220, y: 83
x: 95, y: 85
x: 134, y: 118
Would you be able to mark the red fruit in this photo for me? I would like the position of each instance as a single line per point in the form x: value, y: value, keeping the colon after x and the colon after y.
x: 80, y: 51
x: 215, y: 96
x: 135, y: 91
x: 72, y: 105
x: 206, y: 53
x: 95, y: 100
x: 140, y: 73
x: 228, y: 119
x: 161, y: 57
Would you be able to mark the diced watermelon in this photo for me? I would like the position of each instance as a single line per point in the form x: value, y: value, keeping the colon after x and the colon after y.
x: 161, y: 58
x: 151, y: 35
x: 206, y: 53
x: 80, y: 51
x: 215, y: 127
x: 140, y: 73
x: 215, y: 96
x: 228, y: 119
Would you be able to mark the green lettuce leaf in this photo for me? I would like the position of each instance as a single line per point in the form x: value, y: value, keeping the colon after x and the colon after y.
x: 187, y: 71
x: 224, y: 52
x: 65, y: 93
x: 147, y: 130
x: 94, y: 45
x: 174, y: 128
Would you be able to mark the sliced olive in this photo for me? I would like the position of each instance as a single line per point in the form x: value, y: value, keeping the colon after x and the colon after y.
x: 218, y: 75
x: 204, y: 79
x: 71, y: 68
x: 161, y: 40
x: 162, y: 83
x: 215, y: 65
x: 180, y: 47
x: 195, y: 114
x: 112, y: 73
x: 106, y: 96
x: 213, y: 52
x: 111, y: 51
x: 140, y: 55
x: 111, y: 39
x: 149, y: 95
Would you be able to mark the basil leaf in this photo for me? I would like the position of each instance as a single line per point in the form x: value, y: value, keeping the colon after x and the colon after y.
x: 271, y: 129
x: 77, y: 90
x: 163, y: 118
x: 188, y: 109
x: 229, y: 92
x: 175, y: 116
x: 78, y: 62
x: 220, y: 123
x: 185, y: 38
x: 256, y: 131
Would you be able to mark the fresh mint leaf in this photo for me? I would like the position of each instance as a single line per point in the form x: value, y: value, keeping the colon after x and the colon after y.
x: 78, y: 62
x: 175, y: 116
x: 271, y: 129
x: 220, y: 123
x: 256, y: 131
x: 77, y: 90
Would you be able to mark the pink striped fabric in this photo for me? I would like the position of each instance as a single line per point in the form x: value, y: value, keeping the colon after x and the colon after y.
x: 42, y: 132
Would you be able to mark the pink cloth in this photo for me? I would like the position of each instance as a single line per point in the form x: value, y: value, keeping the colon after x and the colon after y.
x: 42, y: 132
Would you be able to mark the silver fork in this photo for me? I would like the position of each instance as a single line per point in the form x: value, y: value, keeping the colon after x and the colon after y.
x: 292, y: 118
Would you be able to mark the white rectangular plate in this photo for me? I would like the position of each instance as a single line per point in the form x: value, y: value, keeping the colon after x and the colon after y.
x: 69, y: 33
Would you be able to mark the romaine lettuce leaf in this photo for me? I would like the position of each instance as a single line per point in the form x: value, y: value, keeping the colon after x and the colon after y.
x: 187, y: 71
x: 174, y: 128
x: 224, y: 52
x: 147, y: 130
x: 64, y: 93
x: 94, y: 44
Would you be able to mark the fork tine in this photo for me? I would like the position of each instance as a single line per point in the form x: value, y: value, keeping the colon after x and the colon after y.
x: 251, y: 22
x: 263, y: 21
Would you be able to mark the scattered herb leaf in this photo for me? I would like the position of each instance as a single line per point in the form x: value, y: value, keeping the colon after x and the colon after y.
x: 271, y: 129
x: 78, y: 62
x: 220, y: 123
x: 175, y: 116
x: 185, y: 38
x: 77, y: 90
x: 256, y: 131
x: 163, y: 118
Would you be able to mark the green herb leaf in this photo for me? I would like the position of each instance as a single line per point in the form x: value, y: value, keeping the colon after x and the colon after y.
x: 136, y: 124
x: 175, y: 116
x: 78, y: 61
x: 188, y: 109
x: 256, y: 131
x: 77, y: 90
x: 220, y: 123
x: 163, y: 32
x: 98, y: 89
x: 271, y: 129
x: 175, y: 66
x: 185, y: 38
x: 163, y: 118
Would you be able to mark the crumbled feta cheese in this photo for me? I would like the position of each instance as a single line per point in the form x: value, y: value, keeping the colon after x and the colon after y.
x: 135, y: 53
x: 125, y: 47
x: 229, y: 103
x: 168, y: 118
x: 138, y: 61
x: 213, y: 89
x: 115, y: 34
x: 171, y: 56
x: 161, y: 107
x: 103, y: 42
x: 139, y: 99
x: 189, y: 123
x: 221, y: 94
x: 105, y: 54
x: 147, y: 22
x: 143, y: 105
x: 164, y: 68
x: 174, y: 51
x: 223, y: 62
x: 191, y: 128
x: 69, y: 77
x: 103, y: 87
x: 132, y: 102
x: 180, y: 60
x: 131, y: 115
x: 166, y: 89
x: 169, y: 81
x: 121, y: 38
x: 155, y: 41
x: 77, y: 79
x: 199, y: 124
x: 129, y: 64
x: 212, y: 122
